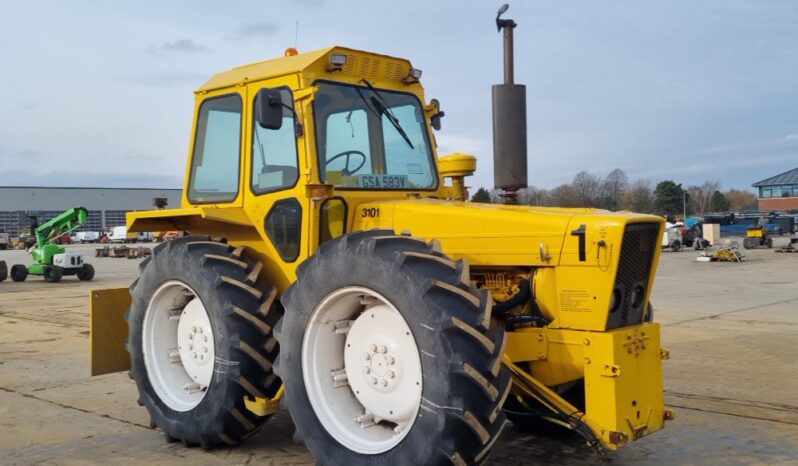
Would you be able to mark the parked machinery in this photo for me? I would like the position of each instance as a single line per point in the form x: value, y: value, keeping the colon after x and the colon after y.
x: 756, y: 237
x: 334, y: 267
x: 51, y: 260
x: 672, y: 238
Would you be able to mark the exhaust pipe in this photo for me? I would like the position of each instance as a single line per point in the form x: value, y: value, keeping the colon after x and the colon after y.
x: 509, y: 121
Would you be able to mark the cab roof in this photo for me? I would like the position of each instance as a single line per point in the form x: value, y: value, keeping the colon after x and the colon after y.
x: 364, y: 63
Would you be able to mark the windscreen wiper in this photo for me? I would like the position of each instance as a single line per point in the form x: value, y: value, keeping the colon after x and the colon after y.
x: 382, y: 107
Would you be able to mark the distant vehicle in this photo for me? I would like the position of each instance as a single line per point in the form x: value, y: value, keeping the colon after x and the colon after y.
x: 3, y: 239
x: 118, y: 235
x: 672, y: 239
x: 85, y: 237
x: 145, y: 237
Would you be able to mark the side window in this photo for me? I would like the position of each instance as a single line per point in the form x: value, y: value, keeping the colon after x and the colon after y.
x: 274, y: 155
x: 217, y: 148
x: 332, y: 221
x: 284, y: 226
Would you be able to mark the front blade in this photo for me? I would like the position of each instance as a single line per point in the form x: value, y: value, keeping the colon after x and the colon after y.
x: 108, y: 330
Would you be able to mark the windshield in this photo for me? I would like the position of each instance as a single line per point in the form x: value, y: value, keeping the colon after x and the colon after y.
x: 372, y: 138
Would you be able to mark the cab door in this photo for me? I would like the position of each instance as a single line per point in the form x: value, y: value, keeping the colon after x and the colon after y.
x: 276, y: 201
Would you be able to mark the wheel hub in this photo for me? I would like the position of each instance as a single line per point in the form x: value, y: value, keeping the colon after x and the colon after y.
x: 383, y: 376
x: 178, y: 346
x: 362, y: 370
x: 195, y: 343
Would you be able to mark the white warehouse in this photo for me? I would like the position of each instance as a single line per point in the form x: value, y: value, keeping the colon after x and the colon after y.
x: 107, y: 206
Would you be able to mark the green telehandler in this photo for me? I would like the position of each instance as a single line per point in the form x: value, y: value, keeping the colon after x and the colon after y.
x: 51, y: 260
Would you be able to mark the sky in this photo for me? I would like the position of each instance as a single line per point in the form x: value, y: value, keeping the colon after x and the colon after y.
x: 100, y: 93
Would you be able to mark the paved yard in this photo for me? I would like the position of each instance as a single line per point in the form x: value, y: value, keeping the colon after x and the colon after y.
x: 732, y: 330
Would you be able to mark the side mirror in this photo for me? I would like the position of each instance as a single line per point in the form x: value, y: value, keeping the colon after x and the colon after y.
x: 269, y: 109
x: 435, y: 119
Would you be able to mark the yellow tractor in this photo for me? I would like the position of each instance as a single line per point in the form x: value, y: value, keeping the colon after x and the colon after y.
x: 332, y: 266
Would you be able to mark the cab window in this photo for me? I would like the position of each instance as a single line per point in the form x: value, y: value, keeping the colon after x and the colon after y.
x: 369, y: 138
x: 217, y: 147
x: 274, y: 152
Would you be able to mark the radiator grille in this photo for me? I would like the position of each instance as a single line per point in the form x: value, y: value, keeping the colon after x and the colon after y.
x: 634, y: 268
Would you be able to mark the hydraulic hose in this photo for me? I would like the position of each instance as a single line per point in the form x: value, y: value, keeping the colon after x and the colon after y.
x: 519, y: 299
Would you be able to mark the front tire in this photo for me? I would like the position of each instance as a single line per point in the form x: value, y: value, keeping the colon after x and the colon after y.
x: 86, y: 273
x: 210, y: 297
x: 53, y: 274
x: 3, y: 271
x: 350, y: 406
x: 19, y: 273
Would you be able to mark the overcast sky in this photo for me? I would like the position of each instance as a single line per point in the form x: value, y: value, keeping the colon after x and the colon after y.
x: 100, y: 93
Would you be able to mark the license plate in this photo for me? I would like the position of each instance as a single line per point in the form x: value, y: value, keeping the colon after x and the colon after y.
x: 382, y: 181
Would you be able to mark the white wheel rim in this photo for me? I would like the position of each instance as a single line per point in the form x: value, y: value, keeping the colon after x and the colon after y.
x: 362, y: 370
x: 178, y: 347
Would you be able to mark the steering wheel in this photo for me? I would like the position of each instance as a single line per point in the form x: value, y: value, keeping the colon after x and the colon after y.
x: 347, y: 153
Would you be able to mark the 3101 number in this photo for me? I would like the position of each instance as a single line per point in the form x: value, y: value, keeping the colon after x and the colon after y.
x: 372, y: 212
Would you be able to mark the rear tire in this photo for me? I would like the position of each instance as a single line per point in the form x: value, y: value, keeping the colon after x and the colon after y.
x: 235, y: 308
x: 86, y: 273
x: 19, y: 273
x: 3, y: 271
x: 53, y: 274
x: 463, y: 384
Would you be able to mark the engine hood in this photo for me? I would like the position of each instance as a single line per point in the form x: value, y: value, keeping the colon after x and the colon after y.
x: 496, y: 234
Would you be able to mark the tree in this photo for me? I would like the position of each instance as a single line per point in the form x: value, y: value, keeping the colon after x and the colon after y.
x: 564, y: 196
x: 701, y: 196
x: 638, y: 197
x: 612, y: 189
x: 533, y: 196
x: 669, y: 197
x: 740, y: 200
x: 482, y: 195
x: 587, y: 189
x: 719, y: 202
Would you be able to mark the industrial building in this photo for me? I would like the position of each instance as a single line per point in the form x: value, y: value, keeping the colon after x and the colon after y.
x: 779, y: 192
x: 107, y: 206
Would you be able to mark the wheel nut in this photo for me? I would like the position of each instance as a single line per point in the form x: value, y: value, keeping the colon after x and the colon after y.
x: 373, y: 380
x: 384, y: 383
x: 204, y: 338
x: 391, y: 375
x: 190, y: 335
x: 391, y: 360
x: 367, y: 370
x: 205, y: 349
x: 194, y: 329
x: 373, y: 348
x: 383, y: 349
x: 367, y: 356
x: 199, y: 329
x: 190, y: 347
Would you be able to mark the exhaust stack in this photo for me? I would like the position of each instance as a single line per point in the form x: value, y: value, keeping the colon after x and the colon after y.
x: 509, y: 121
